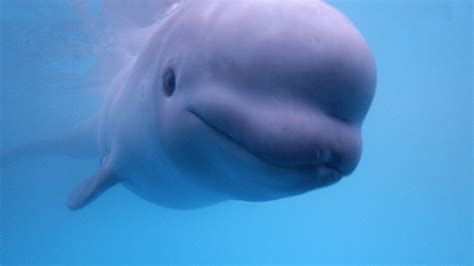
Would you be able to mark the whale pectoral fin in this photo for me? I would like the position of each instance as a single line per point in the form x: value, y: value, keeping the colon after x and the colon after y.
x: 92, y: 188
x: 79, y: 140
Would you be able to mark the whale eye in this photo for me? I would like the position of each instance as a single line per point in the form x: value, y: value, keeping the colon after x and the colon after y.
x: 169, y: 82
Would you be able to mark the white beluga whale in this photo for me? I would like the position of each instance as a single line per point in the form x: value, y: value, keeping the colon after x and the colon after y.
x: 232, y: 100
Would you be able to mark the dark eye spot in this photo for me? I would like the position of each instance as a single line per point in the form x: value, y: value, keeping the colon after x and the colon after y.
x: 169, y: 82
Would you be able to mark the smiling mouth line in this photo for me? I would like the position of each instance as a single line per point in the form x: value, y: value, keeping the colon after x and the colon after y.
x: 307, y: 166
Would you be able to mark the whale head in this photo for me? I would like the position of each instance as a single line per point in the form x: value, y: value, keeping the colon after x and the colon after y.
x: 260, y: 100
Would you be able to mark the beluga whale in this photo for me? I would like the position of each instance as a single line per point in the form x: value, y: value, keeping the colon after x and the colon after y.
x: 251, y: 100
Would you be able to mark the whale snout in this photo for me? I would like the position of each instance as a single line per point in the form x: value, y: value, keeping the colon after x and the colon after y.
x: 286, y: 136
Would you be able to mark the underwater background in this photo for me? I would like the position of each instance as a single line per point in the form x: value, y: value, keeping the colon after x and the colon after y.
x: 409, y: 201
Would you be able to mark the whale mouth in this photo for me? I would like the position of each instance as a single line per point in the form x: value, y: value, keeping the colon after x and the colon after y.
x: 326, y: 172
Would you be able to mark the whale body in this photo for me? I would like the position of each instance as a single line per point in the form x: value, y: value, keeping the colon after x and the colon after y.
x: 234, y: 100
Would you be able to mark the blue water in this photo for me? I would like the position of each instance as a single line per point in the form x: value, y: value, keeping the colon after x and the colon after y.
x: 409, y: 201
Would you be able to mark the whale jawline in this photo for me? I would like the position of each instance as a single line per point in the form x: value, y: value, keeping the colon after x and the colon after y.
x: 305, y: 166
